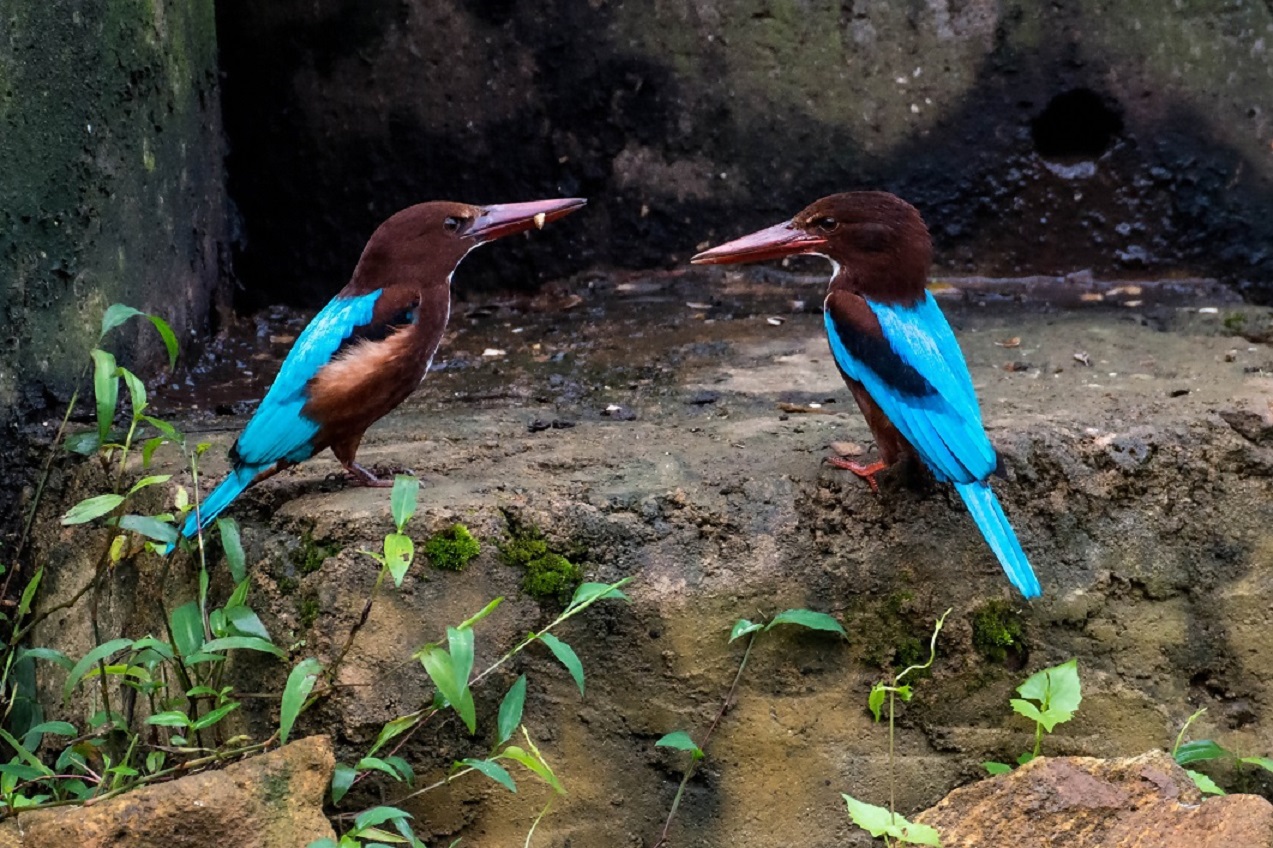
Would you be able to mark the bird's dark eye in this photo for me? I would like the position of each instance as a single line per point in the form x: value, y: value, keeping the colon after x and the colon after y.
x: 826, y: 224
x: 452, y: 223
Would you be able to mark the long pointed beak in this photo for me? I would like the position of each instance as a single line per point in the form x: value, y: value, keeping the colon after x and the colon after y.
x: 505, y: 219
x: 774, y: 242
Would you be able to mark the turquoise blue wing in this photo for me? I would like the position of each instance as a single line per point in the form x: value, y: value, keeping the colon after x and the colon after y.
x: 911, y: 365
x: 279, y: 430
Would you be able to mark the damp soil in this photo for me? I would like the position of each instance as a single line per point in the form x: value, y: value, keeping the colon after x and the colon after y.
x: 672, y: 427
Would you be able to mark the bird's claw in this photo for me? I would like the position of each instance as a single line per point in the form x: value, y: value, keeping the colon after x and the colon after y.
x: 866, y: 472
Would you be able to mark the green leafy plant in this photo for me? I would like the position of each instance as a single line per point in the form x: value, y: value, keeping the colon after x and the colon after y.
x: 548, y: 574
x: 680, y: 740
x: 1056, y: 693
x: 885, y: 821
x: 1202, y: 750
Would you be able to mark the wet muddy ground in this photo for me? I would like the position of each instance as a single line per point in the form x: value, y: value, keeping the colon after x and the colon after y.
x: 672, y: 427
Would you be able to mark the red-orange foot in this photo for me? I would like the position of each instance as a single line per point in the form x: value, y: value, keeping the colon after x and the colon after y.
x: 866, y: 472
x: 363, y: 477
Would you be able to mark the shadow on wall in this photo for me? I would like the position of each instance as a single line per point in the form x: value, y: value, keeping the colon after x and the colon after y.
x: 1055, y: 158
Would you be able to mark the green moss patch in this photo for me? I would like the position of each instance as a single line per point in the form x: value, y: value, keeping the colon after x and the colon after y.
x: 451, y: 549
x: 997, y: 631
x: 548, y: 574
x: 311, y: 555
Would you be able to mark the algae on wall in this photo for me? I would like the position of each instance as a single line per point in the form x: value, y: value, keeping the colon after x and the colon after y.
x: 111, y: 180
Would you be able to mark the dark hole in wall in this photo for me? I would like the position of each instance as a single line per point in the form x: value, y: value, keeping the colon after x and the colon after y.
x: 1078, y: 123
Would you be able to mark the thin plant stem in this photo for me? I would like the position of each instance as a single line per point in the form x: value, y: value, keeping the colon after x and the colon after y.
x: 707, y: 737
x: 535, y: 823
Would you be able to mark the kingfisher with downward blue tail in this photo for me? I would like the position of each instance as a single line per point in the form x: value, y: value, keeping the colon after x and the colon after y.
x: 895, y: 349
x: 370, y: 346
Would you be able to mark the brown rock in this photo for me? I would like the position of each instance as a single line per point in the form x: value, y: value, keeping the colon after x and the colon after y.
x: 271, y: 801
x: 1080, y: 802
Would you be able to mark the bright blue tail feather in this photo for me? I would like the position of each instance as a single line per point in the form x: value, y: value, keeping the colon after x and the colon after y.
x: 216, y: 502
x: 988, y: 514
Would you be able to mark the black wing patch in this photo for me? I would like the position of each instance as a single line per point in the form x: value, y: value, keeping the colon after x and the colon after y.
x: 877, y: 354
x: 378, y: 331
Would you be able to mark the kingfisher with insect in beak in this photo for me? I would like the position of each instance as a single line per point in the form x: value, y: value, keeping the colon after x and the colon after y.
x: 370, y: 346
x: 895, y: 349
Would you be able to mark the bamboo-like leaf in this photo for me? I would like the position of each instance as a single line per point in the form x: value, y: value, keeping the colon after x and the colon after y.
x: 395, y: 727
x: 246, y: 622
x: 378, y: 816
x: 90, y: 508
x: 136, y: 392
x: 214, y: 716
x: 681, y: 741
x: 468, y: 623
x: 187, y: 629
x: 232, y: 544
x: 742, y: 627
x: 588, y: 593
x: 151, y: 528
x: 402, y: 500
x: 510, y: 710
x: 29, y: 591
x: 399, y: 553
x: 494, y: 771
x: 116, y: 314
x: 169, y: 338
x: 567, y: 656
x: 299, y: 684
x: 250, y: 643
x: 105, y: 389
x: 807, y: 618
x: 90, y: 659
x: 342, y: 779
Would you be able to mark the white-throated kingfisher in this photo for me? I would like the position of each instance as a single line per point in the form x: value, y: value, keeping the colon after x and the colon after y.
x: 367, y: 349
x: 895, y: 349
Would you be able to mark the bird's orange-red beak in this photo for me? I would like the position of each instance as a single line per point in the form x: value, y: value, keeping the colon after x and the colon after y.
x: 505, y: 219
x: 774, y: 242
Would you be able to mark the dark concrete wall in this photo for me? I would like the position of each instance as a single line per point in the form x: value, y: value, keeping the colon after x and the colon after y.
x: 1128, y: 137
x: 111, y: 181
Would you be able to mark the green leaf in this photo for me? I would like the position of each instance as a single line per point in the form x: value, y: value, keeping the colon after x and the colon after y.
x: 402, y: 767
x: 460, y: 641
x: 467, y: 624
x: 1026, y: 709
x: 170, y: 432
x: 392, y: 729
x: 325, y: 842
x: 250, y: 643
x: 807, y: 618
x: 187, y: 629
x: 49, y: 654
x: 232, y: 544
x: 377, y: 816
x: 28, y: 592
x: 148, y: 449
x: 59, y: 728
x: 246, y: 622
x: 151, y: 528
x: 742, y: 627
x: 1204, y: 783
x: 90, y: 508
x: 377, y: 764
x: 148, y: 644
x: 1025, y: 758
x: 1064, y: 690
x: 588, y: 593
x: 905, y: 692
x: 1263, y: 762
x: 535, y: 763
x: 239, y: 597
x: 875, y: 701
x: 510, y: 710
x: 215, y: 715
x: 116, y: 314
x: 299, y: 684
x: 136, y: 392
x: 342, y: 779
x: 105, y: 390
x: 89, y: 660
x: 567, y: 656
x: 399, y: 553
x: 171, y: 718
x: 27, y: 757
x: 879, y: 821
x: 996, y: 768
x: 454, y: 688
x: 1200, y: 749
x: 149, y: 480
x: 494, y: 771
x: 681, y: 741
x: 85, y: 444
x: 169, y: 338
x: 403, y: 499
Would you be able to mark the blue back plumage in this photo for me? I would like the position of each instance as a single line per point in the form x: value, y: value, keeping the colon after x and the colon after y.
x: 939, y: 416
x: 279, y: 430
x: 944, y: 424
